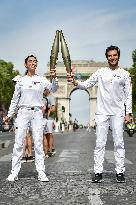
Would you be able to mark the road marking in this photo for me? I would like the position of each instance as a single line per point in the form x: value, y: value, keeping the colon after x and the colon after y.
x: 94, y: 197
x: 73, y: 171
x: 109, y: 156
x: 67, y: 154
x: 6, y: 158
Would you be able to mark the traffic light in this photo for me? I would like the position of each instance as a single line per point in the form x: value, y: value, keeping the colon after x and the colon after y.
x: 63, y: 108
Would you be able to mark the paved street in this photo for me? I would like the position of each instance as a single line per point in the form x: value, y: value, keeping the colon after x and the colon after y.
x: 70, y: 172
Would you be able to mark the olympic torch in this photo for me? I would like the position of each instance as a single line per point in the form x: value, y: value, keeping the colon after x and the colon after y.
x: 54, y: 51
x: 65, y: 54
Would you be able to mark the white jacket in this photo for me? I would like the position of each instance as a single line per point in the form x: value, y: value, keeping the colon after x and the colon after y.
x: 114, y: 90
x: 29, y: 92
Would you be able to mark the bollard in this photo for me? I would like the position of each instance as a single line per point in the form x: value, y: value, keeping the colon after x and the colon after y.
x: 63, y: 127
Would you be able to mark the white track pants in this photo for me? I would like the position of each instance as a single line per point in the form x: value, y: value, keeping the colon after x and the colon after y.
x: 36, y: 117
x: 102, y: 126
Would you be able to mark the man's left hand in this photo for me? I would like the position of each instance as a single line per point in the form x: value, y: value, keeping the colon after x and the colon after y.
x: 70, y: 77
x: 53, y: 73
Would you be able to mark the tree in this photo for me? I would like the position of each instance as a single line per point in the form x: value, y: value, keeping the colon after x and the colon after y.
x: 133, y: 75
x: 7, y: 87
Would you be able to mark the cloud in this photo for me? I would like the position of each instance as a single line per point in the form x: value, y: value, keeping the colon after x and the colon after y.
x: 87, y: 34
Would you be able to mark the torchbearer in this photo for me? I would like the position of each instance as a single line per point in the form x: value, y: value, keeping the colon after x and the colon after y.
x: 114, y: 90
x: 28, y: 99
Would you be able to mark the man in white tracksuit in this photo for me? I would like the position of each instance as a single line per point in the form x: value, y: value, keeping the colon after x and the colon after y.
x: 114, y: 90
x: 28, y: 98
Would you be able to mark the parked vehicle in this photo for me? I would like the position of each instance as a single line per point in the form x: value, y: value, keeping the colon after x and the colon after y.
x: 75, y: 126
x: 130, y: 128
x: 5, y: 127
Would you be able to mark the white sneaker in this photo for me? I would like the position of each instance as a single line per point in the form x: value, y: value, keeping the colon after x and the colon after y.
x: 42, y: 177
x: 12, y: 178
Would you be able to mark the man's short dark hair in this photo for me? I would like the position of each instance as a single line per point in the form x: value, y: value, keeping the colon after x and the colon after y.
x: 110, y: 48
x: 29, y: 57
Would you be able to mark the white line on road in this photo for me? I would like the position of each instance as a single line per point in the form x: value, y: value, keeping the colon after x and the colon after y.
x: 109, y: 156
x: 73, y: 171
x: 67, y: 154
x: 94, y: 197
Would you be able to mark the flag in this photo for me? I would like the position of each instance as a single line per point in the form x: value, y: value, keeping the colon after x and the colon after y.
x: 73, y: 68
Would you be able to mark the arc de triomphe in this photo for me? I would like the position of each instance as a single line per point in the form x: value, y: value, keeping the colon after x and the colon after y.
x: 84, y: 69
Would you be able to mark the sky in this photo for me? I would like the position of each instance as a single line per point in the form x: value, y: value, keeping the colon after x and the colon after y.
x: 29, y: 26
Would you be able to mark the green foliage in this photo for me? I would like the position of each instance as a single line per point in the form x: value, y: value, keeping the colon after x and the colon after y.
x: 134, y: 58
x: 6, y: 84
x: 133, y: 75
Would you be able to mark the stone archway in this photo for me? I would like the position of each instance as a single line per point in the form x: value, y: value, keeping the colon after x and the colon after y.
x: 85, y: 69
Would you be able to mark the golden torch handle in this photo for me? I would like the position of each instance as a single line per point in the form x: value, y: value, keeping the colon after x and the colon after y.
x: 54, y: 52
x: 65, y: 54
